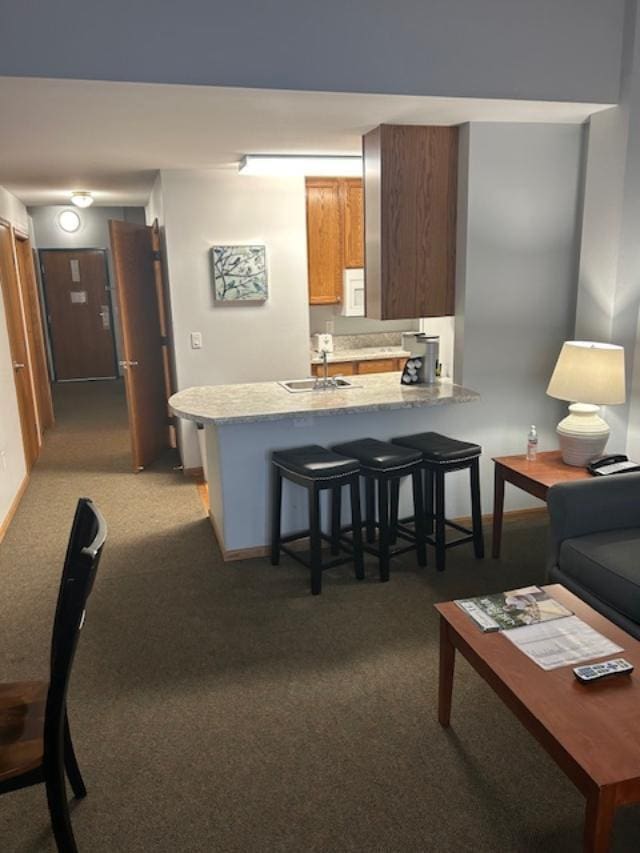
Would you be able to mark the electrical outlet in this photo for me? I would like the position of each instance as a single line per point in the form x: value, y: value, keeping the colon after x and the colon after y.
x: 329, y: 327
x: 196, y: 340
x: 3, y: 460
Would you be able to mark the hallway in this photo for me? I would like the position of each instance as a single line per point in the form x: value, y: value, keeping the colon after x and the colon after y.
x: 222, y: 708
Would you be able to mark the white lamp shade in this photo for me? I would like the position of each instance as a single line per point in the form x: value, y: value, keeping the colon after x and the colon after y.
x: 589, y: 372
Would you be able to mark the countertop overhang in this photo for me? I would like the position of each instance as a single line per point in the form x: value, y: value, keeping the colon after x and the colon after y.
x: 269, y: 401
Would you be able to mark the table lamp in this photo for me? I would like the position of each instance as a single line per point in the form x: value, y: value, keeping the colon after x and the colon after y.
x: 594, y: 373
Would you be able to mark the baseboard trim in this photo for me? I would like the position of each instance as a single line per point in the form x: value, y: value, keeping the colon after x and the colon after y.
x: 510, y: 515
x: 197, y: 473
x: 15, y: 503
x: 230, y: 556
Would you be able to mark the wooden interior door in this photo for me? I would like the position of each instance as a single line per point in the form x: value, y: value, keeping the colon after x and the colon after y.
x: 143, y: 338
x: 76, y: 289
x: 35, y: 332
x: 18, y: 346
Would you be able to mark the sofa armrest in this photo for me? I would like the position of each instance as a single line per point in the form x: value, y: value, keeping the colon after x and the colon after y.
x: 591, y: 506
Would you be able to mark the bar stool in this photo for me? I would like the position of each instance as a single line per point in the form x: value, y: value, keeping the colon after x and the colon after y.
x: 385, y: 465
x: 316, y: 469
x: 441, y: 454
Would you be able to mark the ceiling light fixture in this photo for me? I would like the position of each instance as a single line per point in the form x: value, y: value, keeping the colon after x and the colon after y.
x: 82, y: 199
x: 69, y: 221
x: 301, y: 164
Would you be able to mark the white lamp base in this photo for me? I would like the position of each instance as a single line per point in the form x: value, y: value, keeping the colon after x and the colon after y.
x: 583, y: 434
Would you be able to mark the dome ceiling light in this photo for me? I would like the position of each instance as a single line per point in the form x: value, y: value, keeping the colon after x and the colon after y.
x: 82, y: 199
x: 69, y: 221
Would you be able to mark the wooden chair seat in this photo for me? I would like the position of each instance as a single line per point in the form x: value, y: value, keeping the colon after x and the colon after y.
x: 22, y: 707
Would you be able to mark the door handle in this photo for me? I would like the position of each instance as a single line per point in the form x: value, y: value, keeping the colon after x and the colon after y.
x: 105, y: 317
x: 125, y: 365
x: 17, y: 365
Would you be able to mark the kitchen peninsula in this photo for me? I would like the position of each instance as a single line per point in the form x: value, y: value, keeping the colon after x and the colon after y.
x: 243, y: 424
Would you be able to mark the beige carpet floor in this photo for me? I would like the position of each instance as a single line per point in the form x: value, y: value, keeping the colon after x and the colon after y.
x: 222, y: 708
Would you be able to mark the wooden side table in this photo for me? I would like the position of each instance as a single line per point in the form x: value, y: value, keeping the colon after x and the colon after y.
x: 536, y: 478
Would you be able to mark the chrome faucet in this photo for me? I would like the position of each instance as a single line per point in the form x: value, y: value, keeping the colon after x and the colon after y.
x: 327, y: 381
x: 325, y: 366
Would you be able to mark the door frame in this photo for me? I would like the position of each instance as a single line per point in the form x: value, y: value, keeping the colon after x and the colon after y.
x: 46, y: 417
x: 31, y: 454
x: 116, y: 373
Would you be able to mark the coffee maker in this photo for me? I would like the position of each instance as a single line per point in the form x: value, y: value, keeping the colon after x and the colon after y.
x: 422, y: 364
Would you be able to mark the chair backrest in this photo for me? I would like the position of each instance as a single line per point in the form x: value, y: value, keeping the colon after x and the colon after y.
x: 88, y: 534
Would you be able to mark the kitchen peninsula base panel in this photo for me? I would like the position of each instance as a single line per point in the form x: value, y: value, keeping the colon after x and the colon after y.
x: 238, y: 457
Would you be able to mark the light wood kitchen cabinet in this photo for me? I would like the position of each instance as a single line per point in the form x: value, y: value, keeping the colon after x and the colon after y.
x: 335, y: 368
x: 410, y: 220
x: 335, y: 235
x: 378, y: 365
x: 324, y: 241
x: 353, y: 368
x: 353, y: 205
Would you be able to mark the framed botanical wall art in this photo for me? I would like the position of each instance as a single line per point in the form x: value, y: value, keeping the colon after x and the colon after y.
x: 239, y: 274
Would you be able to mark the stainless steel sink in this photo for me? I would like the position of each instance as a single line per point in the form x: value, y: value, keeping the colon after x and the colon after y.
x: 300, y: 386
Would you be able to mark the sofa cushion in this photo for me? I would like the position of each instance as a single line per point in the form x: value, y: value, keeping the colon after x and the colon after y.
x: 608, y: 564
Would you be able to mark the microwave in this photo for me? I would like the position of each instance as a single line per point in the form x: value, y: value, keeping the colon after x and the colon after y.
x: 353, y: 293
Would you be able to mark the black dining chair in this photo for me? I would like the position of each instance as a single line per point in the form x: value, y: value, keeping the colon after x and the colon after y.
x: 35, y: 740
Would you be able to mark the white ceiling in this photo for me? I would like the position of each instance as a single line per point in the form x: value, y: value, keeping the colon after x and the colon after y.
x: 111, y: 138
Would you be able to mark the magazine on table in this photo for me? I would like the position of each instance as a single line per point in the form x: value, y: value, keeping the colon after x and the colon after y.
x: 501, y: 611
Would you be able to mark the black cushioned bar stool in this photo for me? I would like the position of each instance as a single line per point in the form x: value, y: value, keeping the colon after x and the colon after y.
x: 384, y: 464
x: 316, y: 469
x: 441, y: 454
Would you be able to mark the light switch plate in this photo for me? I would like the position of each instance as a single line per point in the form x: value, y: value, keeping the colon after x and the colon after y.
x: 196, y: 340
x: 324, y: 342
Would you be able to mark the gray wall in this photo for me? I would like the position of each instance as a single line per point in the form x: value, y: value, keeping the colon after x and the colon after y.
x: 609, y: 289
x: 92, y: 234
x: 548, y: 49
x: 518, y: 294
x: 240, y: 343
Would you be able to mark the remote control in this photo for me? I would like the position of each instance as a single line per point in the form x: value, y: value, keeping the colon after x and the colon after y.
x: 595, y: 671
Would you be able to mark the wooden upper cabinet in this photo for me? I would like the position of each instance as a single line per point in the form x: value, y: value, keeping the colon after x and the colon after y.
x: 410, y: 215
x: 353, y: 205
x: 324, y: 241
x: 335, y: 235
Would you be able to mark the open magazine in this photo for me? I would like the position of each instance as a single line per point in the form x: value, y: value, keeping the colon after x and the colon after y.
x: 513, y: 609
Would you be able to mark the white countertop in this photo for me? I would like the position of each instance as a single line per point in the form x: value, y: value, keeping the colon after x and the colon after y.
x: 360, y: 354
x: 269, y: 401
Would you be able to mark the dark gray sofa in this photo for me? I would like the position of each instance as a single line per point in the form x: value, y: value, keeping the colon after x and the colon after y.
x: 595, y: 544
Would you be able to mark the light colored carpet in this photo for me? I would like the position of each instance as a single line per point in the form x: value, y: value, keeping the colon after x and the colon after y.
x: 222, y: 708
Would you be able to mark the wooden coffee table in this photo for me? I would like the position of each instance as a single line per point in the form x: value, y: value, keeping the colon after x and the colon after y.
x: 536, y: 478
x: 590, y: 730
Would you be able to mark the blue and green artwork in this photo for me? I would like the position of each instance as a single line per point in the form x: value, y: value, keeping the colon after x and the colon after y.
x: 239, y: 273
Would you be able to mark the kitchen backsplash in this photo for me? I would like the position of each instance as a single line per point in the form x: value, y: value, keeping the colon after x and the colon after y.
x: 370, y: 339
x: 320, y: 314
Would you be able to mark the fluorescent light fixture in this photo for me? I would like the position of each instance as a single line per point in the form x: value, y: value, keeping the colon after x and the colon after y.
x: 69, y: 221
x: 301, y: 164
x: 82, y: 199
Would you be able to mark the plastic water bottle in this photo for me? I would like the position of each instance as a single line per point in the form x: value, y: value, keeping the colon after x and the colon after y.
x: 532, y: 444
